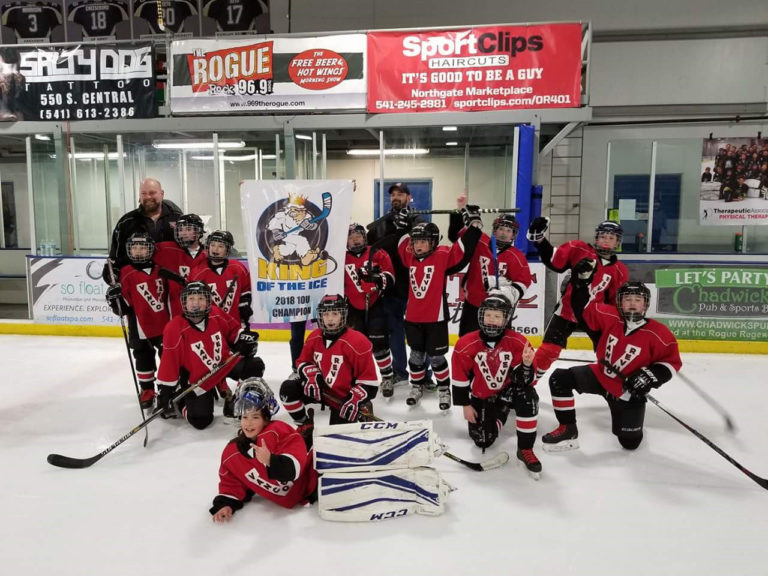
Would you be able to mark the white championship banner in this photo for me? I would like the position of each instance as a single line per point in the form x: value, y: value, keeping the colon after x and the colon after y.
x: 268, y: 74
x: 69, y: 290
x: 296, y: 237
x: 529, y: 313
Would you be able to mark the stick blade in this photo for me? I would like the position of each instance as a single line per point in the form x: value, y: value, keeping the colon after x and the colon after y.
x: 66, y: 462
x: 496, y: 462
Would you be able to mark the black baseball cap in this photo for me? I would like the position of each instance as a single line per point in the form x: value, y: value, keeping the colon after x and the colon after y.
x: 401, y: 186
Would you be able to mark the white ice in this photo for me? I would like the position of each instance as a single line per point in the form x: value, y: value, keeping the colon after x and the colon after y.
x: 672, y: 507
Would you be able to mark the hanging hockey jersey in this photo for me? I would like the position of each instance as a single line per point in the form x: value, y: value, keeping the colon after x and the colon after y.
x: 98, y: 18
x: 354, y: 287
x: 230, y: 284
x: 180, y: 261
x: 146, y: 293
x: 427, y: 277
x: 235, y: 15
x: 628, y: 348
x: 174, y: 14
x: 239, y: 473
x: 481, y: 274
x: 481, y: 369
x: 32, y: 19
x: 197, y: 350
x: 345, y: 361
x: 608, y: 278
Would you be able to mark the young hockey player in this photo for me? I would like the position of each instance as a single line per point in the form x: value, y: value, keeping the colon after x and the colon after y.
x: 364, y: 282
x: 634, y: 354
x: 181, y: 256
x: 426, y: 315
x: 194, y: 344
x: 268, y: 458
x: 510, y: 263
x: 593, y: 266
x: 141, y: 296
x: 492, y: 371
x: 336, y: 360
x: 229, y: 280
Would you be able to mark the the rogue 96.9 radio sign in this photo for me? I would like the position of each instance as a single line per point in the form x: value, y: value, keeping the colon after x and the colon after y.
x: 486, y: 68
x: 77, y: 83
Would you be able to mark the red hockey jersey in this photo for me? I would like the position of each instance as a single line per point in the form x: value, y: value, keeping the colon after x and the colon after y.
x: 229, y: 283
x: 606, y: 281
x: 171, y: 256
x: 347, y: 362
x: 487, y: 369
x: 427, y: 278
x: 482, y: 271
x: 628, y: 350
x: 354, y: 288
x: 146, y: 292
x: 239, y: 473
x: 197, y: 351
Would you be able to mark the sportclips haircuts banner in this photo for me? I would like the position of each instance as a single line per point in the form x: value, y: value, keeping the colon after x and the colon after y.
x: 488, y: 68
x: 77, y: 83
x: 268, y: 74
x: 69, y: 290
x: 296, y: 237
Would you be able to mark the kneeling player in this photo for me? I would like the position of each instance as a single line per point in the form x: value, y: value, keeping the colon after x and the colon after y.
x: 634, y: 354
x: 336, y: 364
x: 268, y: 458
x: 492, y: 372
x: 194, y: 345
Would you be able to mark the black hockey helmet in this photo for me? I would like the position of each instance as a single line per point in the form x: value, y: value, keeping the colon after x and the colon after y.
x: 496, y: 300
x: 426, y: 231
x: 185, y: 222
x: 136, y: 240
x: 634, y: 288
x: 332, y: 303
x: 506, y: 221
x: 608, y: 227
x: 254, y: 394
x: 357, y: 248
x: 196, y: 314
x: 223, y: 236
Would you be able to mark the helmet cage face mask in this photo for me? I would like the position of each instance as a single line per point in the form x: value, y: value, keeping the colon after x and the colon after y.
x: 357, y: 248
x: 633, y: 289
x: 196, y: 289
x: 184, y: 224
x: 135, y: 241
x: 493, y: 302
x: 223, y: 237
x: 334, y: 303
x: 608, y: 227
x: 506, y: 221
x: 254, y: 394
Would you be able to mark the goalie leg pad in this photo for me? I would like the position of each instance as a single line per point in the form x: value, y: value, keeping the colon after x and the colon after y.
x: 371, y: 496
x: 375, y: 446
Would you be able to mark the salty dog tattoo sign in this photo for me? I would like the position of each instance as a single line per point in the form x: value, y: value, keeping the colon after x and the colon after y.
x: 485, y: 68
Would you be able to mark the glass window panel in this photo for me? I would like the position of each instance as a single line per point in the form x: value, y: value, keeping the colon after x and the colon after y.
x: 629, y: 176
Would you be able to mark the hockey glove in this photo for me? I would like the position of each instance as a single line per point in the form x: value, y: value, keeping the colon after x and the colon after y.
x: 402, y: 218
x: 165, y: 402
x: 537, y: 229
x: 245, y: 312
x: 641, y: 382
x: 247, y: 343
x: 584, y: 269
x: 373, y: 276
x: 313, y: 381
x: 522, y: 376
x: 350, y: 410
x: 307, y: 224
x: 470, y: 215
x: 278, y: 235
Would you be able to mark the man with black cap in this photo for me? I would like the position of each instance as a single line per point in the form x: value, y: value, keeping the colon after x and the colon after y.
x: 396, y: 298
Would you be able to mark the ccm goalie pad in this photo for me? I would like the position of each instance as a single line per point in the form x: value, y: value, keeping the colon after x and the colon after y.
x: 371, y: 496
x: 364, y: 446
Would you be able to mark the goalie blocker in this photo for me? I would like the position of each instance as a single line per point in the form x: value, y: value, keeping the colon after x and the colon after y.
x: 378, y: 470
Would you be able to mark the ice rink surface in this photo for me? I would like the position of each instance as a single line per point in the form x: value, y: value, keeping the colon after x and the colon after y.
x: 672, y: 507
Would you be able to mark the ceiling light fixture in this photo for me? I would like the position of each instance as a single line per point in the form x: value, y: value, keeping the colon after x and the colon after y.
x: 450, y: 128
x: 451, y: 143
x: 388, y: 151
x: 196, y: 144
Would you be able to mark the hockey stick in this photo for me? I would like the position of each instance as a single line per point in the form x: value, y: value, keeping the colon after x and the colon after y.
x: 327, y: 204
x: 496, y: 462
x: 128, y: 349
x: 495, y: 254
x: 457, y: 211
x: 68, y: 462
x: 704, y: 396
x: 762, y: 482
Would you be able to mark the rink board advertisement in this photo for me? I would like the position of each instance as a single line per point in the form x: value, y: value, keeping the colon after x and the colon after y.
x: 296, y: 237
x: 69, y: 290
x: 268, y: 74
x: 529, y: 314
x: 77, y: 83
x: 472, y: 69
x: 734, y: 182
